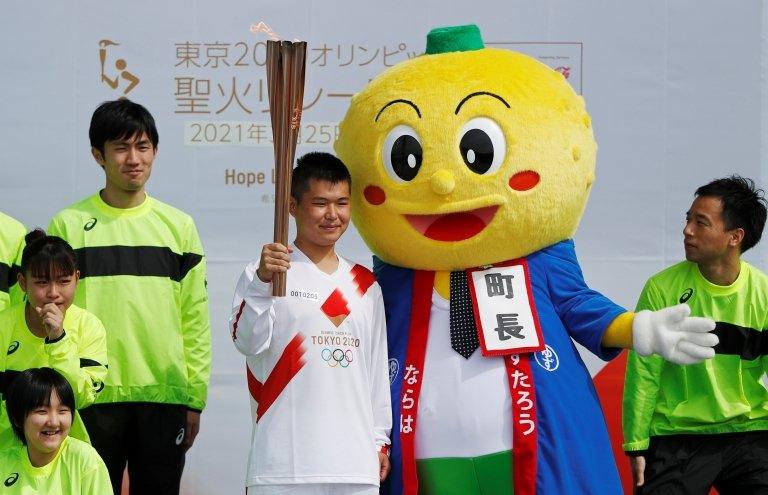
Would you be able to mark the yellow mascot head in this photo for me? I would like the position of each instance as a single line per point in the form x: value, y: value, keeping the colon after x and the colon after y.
x: 466, y: 156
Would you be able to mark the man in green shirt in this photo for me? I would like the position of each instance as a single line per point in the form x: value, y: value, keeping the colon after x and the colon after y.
x: 690, y: 428
x: 143, y: 274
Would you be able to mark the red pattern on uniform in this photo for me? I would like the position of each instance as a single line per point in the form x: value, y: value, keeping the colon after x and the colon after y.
x: 363, y: 278
x: 290, y: 362
x: 237, y: 320
x: 335, y: 305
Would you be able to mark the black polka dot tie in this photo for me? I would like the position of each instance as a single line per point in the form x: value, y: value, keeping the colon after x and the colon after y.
x: 463, y: 329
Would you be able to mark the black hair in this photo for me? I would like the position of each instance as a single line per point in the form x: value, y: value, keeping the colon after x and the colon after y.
x: 47, y: 256
x: 744, y: 206
x: 121, y: 119
x: 31, y: 389
x: 317, y: 165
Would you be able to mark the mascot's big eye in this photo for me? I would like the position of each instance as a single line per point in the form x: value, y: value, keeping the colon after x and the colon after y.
x: 402, y: 153
x: 482, y: 145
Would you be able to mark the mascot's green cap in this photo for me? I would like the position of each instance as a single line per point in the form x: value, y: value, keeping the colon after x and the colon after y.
x: 454, y: 39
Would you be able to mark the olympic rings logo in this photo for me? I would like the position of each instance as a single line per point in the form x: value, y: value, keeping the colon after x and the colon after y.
x: 337, y: 357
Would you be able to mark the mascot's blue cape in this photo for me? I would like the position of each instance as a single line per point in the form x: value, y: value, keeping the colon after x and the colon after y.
x: 574, y: 451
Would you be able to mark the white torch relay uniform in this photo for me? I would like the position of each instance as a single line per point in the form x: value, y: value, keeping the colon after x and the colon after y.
x: 318, y: 376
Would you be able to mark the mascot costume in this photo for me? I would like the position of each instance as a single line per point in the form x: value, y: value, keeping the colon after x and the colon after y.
x: 471, y: 168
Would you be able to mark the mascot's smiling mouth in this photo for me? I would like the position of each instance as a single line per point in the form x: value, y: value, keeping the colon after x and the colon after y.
x: 452, y: 227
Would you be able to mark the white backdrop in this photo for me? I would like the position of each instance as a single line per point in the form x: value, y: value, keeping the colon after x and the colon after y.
x: 675, y: 89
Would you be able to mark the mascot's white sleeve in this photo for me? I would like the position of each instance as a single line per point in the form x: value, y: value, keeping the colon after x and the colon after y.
x: 252, y: 318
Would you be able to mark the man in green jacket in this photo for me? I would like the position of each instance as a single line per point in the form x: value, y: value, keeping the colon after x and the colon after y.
x: 689, y: 428
x: 143, y: 274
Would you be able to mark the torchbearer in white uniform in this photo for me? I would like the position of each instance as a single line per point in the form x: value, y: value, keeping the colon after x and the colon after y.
x: 316, y: 358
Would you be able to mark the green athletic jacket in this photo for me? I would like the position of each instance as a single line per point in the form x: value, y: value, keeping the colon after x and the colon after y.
x: 143, y: 274
x: 80, y: 355
x: 724, y: 394
x: 76, y: 469
x: 11, y: 245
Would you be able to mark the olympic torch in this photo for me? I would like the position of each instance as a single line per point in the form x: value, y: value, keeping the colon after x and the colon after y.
x: 286, y: 62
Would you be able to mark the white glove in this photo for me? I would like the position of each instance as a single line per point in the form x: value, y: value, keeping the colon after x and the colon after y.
x: 675, y: 336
